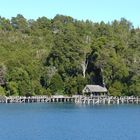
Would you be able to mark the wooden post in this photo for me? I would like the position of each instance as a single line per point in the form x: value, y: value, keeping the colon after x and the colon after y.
x: 118, y: 101
x: 108, y: 100
x: 137, y: 100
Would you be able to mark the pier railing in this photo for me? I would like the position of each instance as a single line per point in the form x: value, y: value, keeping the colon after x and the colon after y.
x: 78, y: 99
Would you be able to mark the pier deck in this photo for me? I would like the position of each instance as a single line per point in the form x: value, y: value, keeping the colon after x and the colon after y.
x: 78, y: 99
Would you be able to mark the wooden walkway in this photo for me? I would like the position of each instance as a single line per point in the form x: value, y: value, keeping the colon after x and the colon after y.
x: 108, y: 100
x: 35, y: 99
x: 78, y: 99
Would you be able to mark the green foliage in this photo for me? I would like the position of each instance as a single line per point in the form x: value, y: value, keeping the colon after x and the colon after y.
x: 134, y: 86
x: 56, y: 84
x: 116, y: 89
x: 12, y: 88
x: 81, y: 82
x: 19, y: 82
x: 46, y: 56
x: 134, y: 89
x: 2, y: 91
x: 70, y: 86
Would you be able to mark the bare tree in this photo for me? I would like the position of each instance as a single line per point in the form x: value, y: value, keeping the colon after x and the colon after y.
x: 103, y: 80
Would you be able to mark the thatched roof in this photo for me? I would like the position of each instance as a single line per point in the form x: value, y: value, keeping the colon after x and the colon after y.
x: 94, y: 88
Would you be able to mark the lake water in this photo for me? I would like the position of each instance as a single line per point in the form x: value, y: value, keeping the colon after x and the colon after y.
x: 69, y: 122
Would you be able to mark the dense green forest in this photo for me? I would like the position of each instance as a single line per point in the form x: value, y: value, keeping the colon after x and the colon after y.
x: 62, y: 55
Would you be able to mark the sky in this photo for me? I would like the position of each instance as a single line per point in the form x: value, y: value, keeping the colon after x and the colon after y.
x: 94, y: 10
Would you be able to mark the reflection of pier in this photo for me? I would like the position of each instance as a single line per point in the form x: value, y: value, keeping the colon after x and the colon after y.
x: 79, y: 99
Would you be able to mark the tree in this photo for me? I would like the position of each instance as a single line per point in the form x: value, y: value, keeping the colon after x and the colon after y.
x: 20, y: 23
x: 56, y: 84
x: 116, y: 89
x: 37, y: 55
x: 12, y: 88
x: 2, y: 91
x: 19, y: 78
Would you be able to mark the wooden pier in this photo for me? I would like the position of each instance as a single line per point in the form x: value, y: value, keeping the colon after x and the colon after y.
x: 78, y: 99
x: 36, y: 99
x: 107, y: 100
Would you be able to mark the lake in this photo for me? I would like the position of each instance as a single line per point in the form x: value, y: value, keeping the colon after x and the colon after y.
x: 50, y: 121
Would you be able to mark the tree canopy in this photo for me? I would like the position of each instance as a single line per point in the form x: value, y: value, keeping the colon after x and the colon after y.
x: 62, y: 55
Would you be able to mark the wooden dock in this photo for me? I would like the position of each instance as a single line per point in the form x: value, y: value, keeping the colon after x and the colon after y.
x: 35, y: 99
x: 108, y: 100
x: 78, y: 99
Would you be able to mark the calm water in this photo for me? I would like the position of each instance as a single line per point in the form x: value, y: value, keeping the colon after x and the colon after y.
x: 69, y: 122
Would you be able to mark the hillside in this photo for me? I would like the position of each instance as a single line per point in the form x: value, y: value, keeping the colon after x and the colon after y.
x: 62, y: 55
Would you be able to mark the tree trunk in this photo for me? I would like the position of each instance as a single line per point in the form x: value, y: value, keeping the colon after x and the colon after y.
x: 84, y: 65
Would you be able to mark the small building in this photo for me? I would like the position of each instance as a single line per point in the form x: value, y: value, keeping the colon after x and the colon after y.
x: 95, y: 90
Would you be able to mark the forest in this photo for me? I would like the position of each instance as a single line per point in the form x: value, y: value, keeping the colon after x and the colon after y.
x: 61, y: 55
